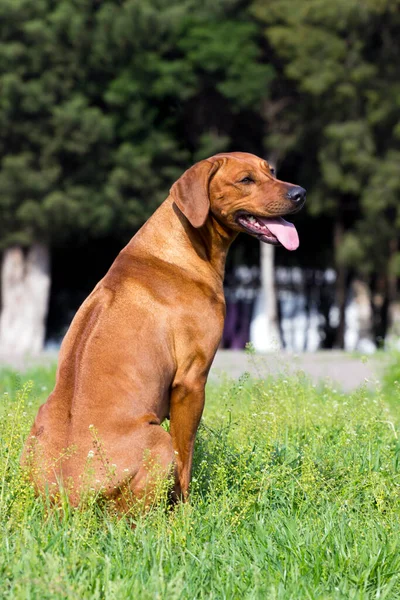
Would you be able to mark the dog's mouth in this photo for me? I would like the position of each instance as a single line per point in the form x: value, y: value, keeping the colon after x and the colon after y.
x: 271, y: 230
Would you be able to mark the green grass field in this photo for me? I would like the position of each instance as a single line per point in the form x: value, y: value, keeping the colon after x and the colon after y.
x: 295, y: 494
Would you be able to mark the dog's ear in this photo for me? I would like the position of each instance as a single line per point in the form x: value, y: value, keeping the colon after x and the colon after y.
x: 191, y: 192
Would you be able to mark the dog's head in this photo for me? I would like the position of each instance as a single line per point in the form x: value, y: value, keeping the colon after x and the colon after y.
x: 242, y: 192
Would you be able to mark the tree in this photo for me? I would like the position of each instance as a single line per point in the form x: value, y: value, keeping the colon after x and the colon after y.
x: 338, y: 69
x: 103, y: 105
x: 49, y: 128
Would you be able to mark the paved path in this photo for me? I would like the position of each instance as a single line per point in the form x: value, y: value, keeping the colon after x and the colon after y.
x: 345, y: 370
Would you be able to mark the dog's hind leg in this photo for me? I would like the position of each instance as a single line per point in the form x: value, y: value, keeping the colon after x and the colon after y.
x: 156, y: 475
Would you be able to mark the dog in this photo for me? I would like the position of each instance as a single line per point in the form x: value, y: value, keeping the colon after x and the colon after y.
x: 140, y: 347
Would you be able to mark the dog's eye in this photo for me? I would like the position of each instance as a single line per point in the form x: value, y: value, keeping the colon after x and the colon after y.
x: 246, y: 180
x: 272, y: 170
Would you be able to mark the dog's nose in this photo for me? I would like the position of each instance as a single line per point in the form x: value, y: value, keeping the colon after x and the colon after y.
x: 297, y: 195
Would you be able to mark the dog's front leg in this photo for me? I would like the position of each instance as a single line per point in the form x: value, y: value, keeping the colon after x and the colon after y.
x: 185, y: 413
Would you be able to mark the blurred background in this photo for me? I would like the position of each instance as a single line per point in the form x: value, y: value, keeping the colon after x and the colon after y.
x: 103, y: 105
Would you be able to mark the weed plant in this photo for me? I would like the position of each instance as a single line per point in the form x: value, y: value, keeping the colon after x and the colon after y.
x: 295, y: 495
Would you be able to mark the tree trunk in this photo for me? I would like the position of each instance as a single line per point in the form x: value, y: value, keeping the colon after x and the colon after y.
x: 270, y: 299
x: 359, y: 318
x: 393, y: 329
x: 265, y: 333
x: 340, y: 286
x: 264, y: 330
x: 25, y: 287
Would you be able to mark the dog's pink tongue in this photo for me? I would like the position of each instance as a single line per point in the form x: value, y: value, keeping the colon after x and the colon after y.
x: 285, y: 232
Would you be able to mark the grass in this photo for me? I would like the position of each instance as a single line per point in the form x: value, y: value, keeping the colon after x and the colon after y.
x: 295, y: 495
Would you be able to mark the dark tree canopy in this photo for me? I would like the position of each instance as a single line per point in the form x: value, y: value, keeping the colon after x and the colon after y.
x: 104, y: 104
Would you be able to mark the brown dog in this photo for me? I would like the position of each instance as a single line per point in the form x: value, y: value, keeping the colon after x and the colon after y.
x: 140, y: 347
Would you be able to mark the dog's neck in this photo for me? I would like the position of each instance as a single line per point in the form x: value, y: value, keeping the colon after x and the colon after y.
x: 211, y: 241
x: 175, y: 240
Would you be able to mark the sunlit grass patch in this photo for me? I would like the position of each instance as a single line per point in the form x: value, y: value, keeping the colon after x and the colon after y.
x: 41, y: 379
x: 295, y: 495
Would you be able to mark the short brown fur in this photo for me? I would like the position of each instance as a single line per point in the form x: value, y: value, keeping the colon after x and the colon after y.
x: 140, y: 347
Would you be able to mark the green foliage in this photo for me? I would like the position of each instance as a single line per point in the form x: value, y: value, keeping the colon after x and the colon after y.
x: 227, y: 53
x: 103, y: 105
x: 294, y: 495
x: 339, y: 66
x: 350, y: 252
x: 54, y: 139
x: 391, y: 380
